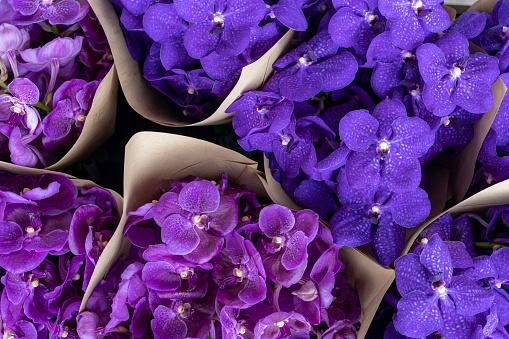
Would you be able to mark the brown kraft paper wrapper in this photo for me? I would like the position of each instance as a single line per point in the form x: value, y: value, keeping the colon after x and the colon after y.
x: 99, y: 124
x: 153, y: 159
x: 154, y: 105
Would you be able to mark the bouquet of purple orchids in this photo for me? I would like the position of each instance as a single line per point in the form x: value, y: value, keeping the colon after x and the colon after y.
x: 52, y: 232
x: 208, y: 260
x: 53, y: 55
x: 356, y: 116
x: 454, y: 282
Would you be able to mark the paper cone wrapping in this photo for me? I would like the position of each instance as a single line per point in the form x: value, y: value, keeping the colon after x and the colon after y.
x: 99, y: 124
x: 155, y: 106
x: 153, y: 159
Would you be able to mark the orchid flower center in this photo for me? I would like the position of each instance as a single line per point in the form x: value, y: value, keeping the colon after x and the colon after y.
x: 242, y: 329
x: 218, y: 20
x: 25, y: 190
x: 17, y: 109
x: 184, y: 310
x: 65, y: 332
x: 375, y: 212
x: 191, y: 91
x: 383, y: 148
x: 245, y: 218
x: 418, y: 6
x: 46, y: 2
x: 30, y: 230
x: 238, y: 274
x: 262, y: 109
x: 504, y: 30
x: 81, y: 118
x: 8, y: 335
x: 323, y: 7
x: 439, y: 288
x: 286, y: 140
x: 414, y: 91
x: 488, y: 176
x: 76, y: 277
x: 280, y: 324
x: 424, y: 241
x: 371, y: 18
x: 186, y: 272
x: 407, y: 56
x: 305, y: 60
x: 35, y: 283
x: 200, y: 221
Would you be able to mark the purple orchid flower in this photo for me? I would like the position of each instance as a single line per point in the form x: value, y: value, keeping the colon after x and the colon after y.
x: 221, y: 26
x: 386, y: 148
x: 411, y: 20
x: 433, y: 299
x: 56, y: 58
x: 453, y: 77
x: 494, y: 167
x: 374, y: 214
x: 281, y: 325
x: 239, y: 273
x: 284, y: 245
x: 290, y: 14
x: 65, y: 12
x: 17, y: 107
x: 72, y: 102
x: 12, y: 40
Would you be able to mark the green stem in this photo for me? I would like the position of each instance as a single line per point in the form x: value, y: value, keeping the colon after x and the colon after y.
x: 4, y: 86
x: 42, y: 106
x: 55, y: 30
x: 487, y: 245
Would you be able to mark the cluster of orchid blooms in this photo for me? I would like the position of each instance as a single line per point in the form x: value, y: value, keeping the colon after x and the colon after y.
x: 208, y: 261
x: 352, y: 116
x: 53, y: 54
x: 454, y: 283
x: 51, y: 236
x: 219, y: 38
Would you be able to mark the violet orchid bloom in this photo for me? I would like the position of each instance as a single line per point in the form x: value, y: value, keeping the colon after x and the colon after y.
x: 201, y: 216
x: 432, y: 298
x: 260, y: 111
x: 315, y: 294
x: 12, y: 41
x: 312, y: 68
x: 453, y: 77
x: 167, y: 324
x: 221, y: 26
x: 239, y: 273
x: 290, y: 14
x: 501, y: 122
x: 281, y: 325
x: 236, y: 323
x: 21, y: 329
x: 65, y: 323
x: 355, y: 24
x: 56, y: 58
x: 69, y: 272
x: 494, y: 38
x: 72, y: 102
x: 21, y: 152
x: 30, y: 236
x: 374, y: 214
x: 494, y: 168
x: 65, y: 12
x: 27, y: 291
x: 17, y: 107
x: 386, y: 147
x: 411, y: 20
x: 283, y: 246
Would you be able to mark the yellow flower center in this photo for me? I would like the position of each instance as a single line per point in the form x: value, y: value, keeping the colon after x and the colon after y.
x: 81, y: 118
x: 278, y: 240
x: 237, y: 272
x: 280, y: 324
x: 30, y: 229
x: 26, y: 189
x: 424, y: 241
x: 35, y: 283
x: 76, y: 277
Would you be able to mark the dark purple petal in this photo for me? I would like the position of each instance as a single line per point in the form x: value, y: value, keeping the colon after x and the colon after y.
x: 401, y: 174
x: 224, y: 219
x: 388, y: 240
x: 437, y: 98
x: 254, y: 291
x: 409, y: 209
x: 469, y: 298
x: 436, y: 258
x: 363, y: 168
x: 407, y: 32
x: 483, y: 67
x: 437, y: 20
x: 295, y: 252
x: 344, y: 27
x: 179, y: 235
x: 473, y: 95
x: 21, y: 261
x: 413, y: 136
x: 350, y: 227
x: 167, y: 324
x: 358, y: 130
x: 460, y: 258
x: 245, y: 13
x: 454, y: 46
x: 208, y: 247
x: 418, y: 315
x: 410, y: 274
x: 276, y: 220
x: 25, y: 90
x: 160, y: 276
x: 499, y: 260
x: 300, y: 86
x: 82, y: 218
x: 199, y: 197
x: 161, y: 22
x: 198, y: 41
x: 336, y: 72
x: 431, y: 63
x: 11, y: 237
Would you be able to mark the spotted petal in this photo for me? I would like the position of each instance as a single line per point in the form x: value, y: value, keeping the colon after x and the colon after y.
x: 436, y: 258
x: 179, y: 234
x: 410, y: 274
x: 418, y: 315
x: 199, y: 197
x: 350, y: 227
x: 358, y: 130
x: 276, y: 220
x: 295, y: 252
x: 469, y: 298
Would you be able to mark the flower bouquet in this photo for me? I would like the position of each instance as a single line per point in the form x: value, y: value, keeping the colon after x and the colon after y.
x: 359, y: 121
x: 57, y: 80
x: 53, y: 231
x: 455, y: 273
x: 181, y: 65
x: 207, y: 259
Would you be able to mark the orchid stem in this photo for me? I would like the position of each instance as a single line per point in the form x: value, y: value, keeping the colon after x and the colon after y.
x: 487, y: 245
x: 55, y: 30
x: 4, y: 86
x: 42, y: 106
